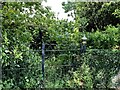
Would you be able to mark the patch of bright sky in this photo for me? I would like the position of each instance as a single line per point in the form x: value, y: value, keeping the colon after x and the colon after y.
x: 56, y: 6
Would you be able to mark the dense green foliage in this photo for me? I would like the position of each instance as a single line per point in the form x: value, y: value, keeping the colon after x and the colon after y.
x: 97, y: 15
x: 65, y: 66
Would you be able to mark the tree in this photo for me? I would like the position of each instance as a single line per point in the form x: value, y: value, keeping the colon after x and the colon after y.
x: 97, y: 14
x: 17, y: 35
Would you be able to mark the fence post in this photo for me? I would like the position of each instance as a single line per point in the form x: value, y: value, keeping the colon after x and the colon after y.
x: 83, y: 45
x: 43, y: 59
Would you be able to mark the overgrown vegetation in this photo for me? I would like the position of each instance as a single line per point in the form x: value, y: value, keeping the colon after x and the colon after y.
x: 23, y: 35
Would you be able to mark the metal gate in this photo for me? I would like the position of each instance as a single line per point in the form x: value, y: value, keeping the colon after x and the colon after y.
x: 63, y: 66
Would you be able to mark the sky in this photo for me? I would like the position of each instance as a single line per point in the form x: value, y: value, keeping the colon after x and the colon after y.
x: 56, y: 6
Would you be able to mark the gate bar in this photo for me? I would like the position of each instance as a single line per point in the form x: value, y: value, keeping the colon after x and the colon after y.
x: 43, y: 59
